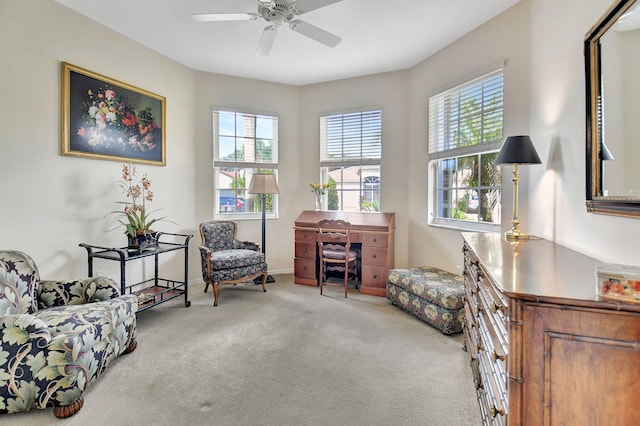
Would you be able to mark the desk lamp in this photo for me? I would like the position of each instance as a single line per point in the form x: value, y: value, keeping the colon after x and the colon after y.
x: 264, y: 184
x: 517, y: 150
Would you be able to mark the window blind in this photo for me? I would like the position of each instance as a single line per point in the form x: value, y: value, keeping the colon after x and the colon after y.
x: 352, y: 138
x: 467, y: 119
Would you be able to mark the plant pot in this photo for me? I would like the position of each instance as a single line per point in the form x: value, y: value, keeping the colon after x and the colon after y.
x: 142, y: 242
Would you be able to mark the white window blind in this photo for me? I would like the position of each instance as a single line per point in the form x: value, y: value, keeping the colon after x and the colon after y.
x: 468, y: 118
x: 351, y: 138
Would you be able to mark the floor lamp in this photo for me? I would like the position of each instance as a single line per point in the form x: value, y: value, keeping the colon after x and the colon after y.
x: 264, y: 184
x: 517, y: 150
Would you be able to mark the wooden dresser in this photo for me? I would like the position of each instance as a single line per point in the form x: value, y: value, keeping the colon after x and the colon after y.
x: 372, y: 232
x: 544, y: 349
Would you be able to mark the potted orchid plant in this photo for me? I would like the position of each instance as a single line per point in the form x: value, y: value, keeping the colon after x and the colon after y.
x: 137, y: 220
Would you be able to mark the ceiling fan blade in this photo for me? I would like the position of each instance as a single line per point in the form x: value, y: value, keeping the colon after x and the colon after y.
x: 266, y: 40
x: 304, y: 6
x: 213, y: 17
x: 315, y: 33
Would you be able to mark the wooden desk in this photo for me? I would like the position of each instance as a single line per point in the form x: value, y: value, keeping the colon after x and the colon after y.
x: 544, y: 348
x: 373, y: 232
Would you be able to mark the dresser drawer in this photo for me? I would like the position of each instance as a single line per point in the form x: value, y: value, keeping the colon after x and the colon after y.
x: 305, y: 235
x: 304, y: 268
x: 374, y: 256
x: 375, y: 240
x: 306, y: 250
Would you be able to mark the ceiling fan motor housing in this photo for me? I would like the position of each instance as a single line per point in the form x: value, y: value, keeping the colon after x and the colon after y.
x: 277, y: 12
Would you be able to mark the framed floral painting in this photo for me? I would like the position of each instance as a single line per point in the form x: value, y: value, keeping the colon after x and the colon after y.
x: 106, y: 119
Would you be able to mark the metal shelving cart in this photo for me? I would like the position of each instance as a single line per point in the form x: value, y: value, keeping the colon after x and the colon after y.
x: 152, y: 291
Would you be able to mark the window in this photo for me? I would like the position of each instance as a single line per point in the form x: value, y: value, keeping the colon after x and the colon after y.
x: 350, y: 156
x: 243, y: 144
x: 465, y: 134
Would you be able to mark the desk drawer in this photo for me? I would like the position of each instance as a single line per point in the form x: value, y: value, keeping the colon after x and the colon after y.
x: 305, y: 235
x: 374, y: 256
x: 305, y: 250
x: 375, y: 276
x: 375, y: 240
x: 304, y: 268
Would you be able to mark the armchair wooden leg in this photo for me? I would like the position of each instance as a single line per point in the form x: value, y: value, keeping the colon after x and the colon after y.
x: 264, y: 281
x: 216, y: 290
x: 64, y: 411
x: 132, y: 347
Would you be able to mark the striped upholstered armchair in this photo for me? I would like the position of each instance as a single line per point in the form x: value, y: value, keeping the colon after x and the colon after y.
x: 226, y: 260
x: 57, y: 337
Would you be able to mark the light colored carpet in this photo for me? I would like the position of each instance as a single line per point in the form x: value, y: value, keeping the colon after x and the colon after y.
x: 285, y: 357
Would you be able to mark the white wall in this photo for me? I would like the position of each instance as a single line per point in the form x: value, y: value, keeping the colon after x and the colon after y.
x: 387, y: 91
x: 557, y: 126
x: 502, y: 41
x: 51, y: 203
x: 258, y: 97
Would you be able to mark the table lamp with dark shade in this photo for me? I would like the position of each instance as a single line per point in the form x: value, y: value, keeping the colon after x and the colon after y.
x: 264, y: 184
x: 517, y: 150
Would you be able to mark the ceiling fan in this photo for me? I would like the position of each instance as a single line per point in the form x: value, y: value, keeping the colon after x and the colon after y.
x: 277, y: 13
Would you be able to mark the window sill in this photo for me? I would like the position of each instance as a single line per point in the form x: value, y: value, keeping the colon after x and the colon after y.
x: 456, y: 225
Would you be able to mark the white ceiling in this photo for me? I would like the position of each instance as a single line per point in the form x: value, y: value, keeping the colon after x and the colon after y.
x: 377, y: 35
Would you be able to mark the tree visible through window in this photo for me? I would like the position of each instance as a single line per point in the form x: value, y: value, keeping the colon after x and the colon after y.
x: 244, y: 144
x: 465, y: 133
x: 350, y: 156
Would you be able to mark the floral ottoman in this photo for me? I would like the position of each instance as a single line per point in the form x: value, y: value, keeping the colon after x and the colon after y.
x: 431, y: 294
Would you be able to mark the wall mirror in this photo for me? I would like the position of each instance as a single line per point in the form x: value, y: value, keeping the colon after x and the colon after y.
x: 612, y: 68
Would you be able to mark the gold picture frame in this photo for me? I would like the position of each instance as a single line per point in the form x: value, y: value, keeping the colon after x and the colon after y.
x: 103, y: 118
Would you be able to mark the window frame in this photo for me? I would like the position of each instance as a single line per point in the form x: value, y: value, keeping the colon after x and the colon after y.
x: 247, y: 167
x: 441, y: 147
x: 369, y: 147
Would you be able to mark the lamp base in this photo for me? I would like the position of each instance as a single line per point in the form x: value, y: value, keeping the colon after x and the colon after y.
x: 258, y: 280
x: 516, y: 235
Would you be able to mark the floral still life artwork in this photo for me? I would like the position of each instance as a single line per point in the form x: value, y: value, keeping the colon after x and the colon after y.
x: 107, y: 119
x: 135, y: 217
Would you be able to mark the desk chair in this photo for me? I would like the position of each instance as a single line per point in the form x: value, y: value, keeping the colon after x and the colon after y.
x: 334, y: 251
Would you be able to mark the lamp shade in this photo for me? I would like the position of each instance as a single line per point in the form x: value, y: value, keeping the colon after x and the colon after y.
x: 263, y: 184
x: 517, y: 150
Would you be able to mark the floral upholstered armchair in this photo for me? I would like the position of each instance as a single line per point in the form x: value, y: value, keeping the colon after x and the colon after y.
x: 57, y: 337
x: 225, y: 260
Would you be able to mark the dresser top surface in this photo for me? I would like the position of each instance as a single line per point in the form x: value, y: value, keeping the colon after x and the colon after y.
x: 538, y: 269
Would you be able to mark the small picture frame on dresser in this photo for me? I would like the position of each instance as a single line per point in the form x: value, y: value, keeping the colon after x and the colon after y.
x: 618, y: 282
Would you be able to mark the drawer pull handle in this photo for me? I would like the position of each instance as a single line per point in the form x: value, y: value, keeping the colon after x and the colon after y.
x: 494, y: 412
x: 375, y: 255
x: 304, y: 268
x: 375, y: 240
x: 495, y: 356
x: 304, y: 250
x: 375, y: 275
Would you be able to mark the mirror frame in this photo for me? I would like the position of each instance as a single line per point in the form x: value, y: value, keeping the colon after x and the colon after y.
x: 596, y: 202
